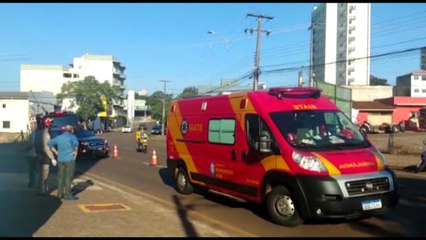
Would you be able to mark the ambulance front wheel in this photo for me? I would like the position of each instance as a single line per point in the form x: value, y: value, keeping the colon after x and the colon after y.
x: 281, y: 207
x: 182, y: 182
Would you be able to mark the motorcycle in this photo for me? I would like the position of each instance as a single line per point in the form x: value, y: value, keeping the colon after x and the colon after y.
x: 142, y: 145
x: 422, y: 162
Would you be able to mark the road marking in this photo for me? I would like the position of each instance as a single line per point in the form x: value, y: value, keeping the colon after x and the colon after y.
x: 103, y: 207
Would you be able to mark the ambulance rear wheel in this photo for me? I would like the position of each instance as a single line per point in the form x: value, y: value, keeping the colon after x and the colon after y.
x: 281, y: 207
x: 182, y: 182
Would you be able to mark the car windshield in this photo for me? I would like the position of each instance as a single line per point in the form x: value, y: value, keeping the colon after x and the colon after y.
x: 83, y: 134
x: 319, y: 130
x: 59, y: 121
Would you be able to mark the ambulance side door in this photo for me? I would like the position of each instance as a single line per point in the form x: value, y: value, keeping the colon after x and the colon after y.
x: 251, y: 159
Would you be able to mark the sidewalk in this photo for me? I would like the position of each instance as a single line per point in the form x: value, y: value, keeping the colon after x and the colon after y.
x: 101, y: 211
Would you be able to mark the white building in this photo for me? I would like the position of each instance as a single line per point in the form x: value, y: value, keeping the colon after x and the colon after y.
x: 137, y: 110
x: 49, y: 78
x: 52, y: 77
x: 412, y: 84
x: 130, y: 106
x: 340, y: 43
x: 19, y: 109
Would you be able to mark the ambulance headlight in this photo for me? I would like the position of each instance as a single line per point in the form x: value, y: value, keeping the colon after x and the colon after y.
x: 310, y: 163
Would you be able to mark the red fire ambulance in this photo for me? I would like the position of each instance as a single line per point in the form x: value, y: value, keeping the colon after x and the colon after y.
x: 290, y: 149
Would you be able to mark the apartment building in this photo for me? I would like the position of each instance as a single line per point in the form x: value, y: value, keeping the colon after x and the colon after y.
x: 412, y: 84
x: 340, y: 43
x: 423, y: 59
x: 51, y: 77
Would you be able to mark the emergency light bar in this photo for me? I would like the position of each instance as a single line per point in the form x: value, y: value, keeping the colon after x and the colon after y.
x: 308, y: 92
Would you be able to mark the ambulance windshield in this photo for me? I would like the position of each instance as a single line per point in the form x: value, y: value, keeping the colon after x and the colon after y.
x: 322, y: 130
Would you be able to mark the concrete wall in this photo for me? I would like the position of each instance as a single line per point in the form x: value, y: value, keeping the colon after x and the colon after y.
x: 369, y: 93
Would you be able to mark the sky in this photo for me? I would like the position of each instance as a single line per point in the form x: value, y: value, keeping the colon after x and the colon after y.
x: 170, y: 41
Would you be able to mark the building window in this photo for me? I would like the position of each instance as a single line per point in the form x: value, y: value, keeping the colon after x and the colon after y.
x: 416, y: 77
x: 67, y: 75
x: 75, y: 75
x: 416, y: 90
x: 423, y: 78
x: 4, y: 105
x: 6, y: 124
x: 423, y: 90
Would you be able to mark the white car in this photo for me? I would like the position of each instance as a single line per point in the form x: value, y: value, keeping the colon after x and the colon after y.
x: 126, y: 129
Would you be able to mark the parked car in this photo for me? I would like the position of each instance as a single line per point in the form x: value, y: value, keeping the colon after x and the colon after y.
x: 156, y: 129
x: 60, y: 120
x: 91, y: 144
x: 126, y: 129
x: 143, y: 126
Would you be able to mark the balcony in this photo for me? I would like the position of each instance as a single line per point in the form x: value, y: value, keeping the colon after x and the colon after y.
x: 116, y: 71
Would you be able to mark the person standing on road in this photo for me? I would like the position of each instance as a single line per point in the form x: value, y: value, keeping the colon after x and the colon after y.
x: 65, y: 147
x: 32, y: 160
x: 45, y: 156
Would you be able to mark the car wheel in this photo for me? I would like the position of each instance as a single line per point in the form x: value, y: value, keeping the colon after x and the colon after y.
x: 364, y: 129
x: 183, y: 185
x: 282, y: 208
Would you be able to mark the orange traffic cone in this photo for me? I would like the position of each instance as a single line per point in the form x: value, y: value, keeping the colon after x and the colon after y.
x: 115, y: 155
x: 154, y: 158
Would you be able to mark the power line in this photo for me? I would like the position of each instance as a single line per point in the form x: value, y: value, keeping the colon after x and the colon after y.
x: 344, y: 61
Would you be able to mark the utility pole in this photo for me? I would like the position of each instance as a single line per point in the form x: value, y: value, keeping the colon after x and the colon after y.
x: 256, y: 70
x: 163, y: 130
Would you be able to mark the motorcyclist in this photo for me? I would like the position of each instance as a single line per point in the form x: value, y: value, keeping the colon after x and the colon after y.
x: 140, y: 134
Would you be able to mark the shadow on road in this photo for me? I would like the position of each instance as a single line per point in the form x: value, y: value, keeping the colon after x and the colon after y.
x: 407, y: 219
x: 182, y: 212
x: 23, y: 210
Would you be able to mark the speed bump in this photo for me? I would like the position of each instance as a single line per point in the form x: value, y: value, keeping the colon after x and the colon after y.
x: 103, y: 207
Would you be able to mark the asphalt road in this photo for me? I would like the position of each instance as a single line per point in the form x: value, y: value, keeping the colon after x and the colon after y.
x: 132, y: 171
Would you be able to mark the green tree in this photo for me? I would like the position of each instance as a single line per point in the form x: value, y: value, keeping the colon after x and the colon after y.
x: 188, y: 92
x: 375, y: 81
x: 87, y: 94
x: 155, y: 103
